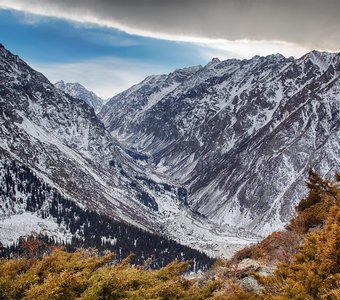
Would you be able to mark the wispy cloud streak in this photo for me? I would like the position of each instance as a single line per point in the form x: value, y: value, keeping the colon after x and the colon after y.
x: 306, y: 23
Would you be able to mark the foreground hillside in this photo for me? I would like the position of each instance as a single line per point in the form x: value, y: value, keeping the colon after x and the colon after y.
x: 302, y: 262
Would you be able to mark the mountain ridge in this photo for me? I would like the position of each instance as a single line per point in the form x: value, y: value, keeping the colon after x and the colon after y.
x: 218, y: 124
x: 61, y: 139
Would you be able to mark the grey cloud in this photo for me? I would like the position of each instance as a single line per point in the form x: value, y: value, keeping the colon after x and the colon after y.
x: 308, y: 23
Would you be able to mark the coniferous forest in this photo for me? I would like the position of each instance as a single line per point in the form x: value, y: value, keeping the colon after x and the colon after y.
x: 21, y: 189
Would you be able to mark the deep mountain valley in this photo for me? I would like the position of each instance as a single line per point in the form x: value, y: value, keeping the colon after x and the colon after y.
x: 213, y: 157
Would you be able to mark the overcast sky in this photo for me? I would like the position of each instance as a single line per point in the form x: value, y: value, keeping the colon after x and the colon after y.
x: 109, y: 45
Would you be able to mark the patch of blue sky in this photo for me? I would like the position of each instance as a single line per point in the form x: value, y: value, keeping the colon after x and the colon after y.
x: 53, y: 40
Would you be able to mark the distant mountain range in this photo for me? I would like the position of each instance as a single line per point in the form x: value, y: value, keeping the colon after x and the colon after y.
x: 76, y: 90
x: 212, y: 157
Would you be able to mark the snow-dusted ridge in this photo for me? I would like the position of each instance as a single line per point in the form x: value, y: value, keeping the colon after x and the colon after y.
x: 239, y: 134
x: 78, y: 91
x: 61, y: 139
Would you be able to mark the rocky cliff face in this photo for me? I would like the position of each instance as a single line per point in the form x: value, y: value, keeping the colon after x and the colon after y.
x: 239, y: 134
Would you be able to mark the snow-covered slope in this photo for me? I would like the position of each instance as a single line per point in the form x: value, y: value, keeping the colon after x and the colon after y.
x: 63, y: 141
x: 130, y: 105
x: 29, y: 206
x: 239, y: 134
x: 76, y: 90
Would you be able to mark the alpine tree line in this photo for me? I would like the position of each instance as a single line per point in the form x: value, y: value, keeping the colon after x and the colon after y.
x: 21, y: 189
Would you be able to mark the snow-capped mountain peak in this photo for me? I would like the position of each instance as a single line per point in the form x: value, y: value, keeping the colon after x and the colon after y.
x: 78, y: 91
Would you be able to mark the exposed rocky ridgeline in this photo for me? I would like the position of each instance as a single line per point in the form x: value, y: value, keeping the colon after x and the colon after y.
x: 63, y: 142
x: 240, y: 135
x: 76, y: 90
